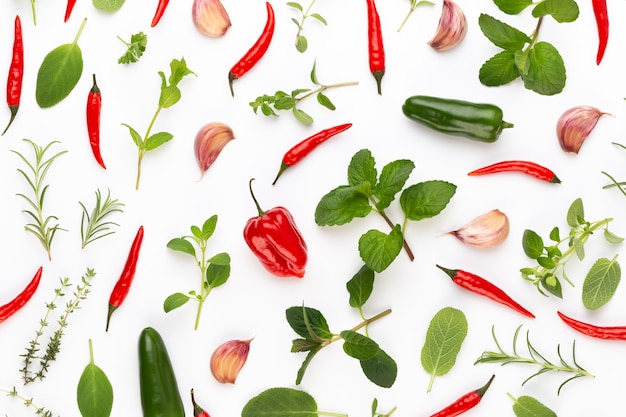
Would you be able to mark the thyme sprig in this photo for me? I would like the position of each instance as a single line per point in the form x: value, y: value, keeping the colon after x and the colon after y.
x: 28, y: 402
x: 534, y: 358
x: 42, y: 226
x: 93, y: 226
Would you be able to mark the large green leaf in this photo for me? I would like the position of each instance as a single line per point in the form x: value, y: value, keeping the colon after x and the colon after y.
x: 109, y: 6
x: 58, y: 74
x: 426, y: 199
x: 601, y: 283
x: 281, y: 402
x: 94, y: 393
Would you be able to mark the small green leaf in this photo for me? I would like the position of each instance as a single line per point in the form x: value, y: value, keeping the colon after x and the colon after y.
x: 526, y: 406
x: 313, y: 75
x: 208, y: 227
x: 304, y: 345
x: 58, y: 74
x: 325, y: 101
x: 512, y: 6
x: 532, y: 244
x: 319, y: 18
x: 499, y: 70
x: 173, y: 301
x: 360, y: 286
x: 501, y: 34
x: 575, y: 212
x: 378, y: 250
x: 426, y: 199
x: 281, y: 402
x: 170, y: 94
x: 302, y: 117
x: 301, y: 43
x: 546, y: 262
x: 392, y: 179
x: 563, y: 11
x: 601, y: 283
x: 306, y: 362
x: 178, y: 70
x: 341, y: 206
x: 196, y: 231
x: 317, y: 322
x: 182, y: 245
x: 612, y: 237
x: 220, y: 259
x: 217, y: 275
x: 295, y: 5
x: 362, y: 168
x: 95, y: 392
x: 109, y: 6
x: 551, y: 284
x: 381, y: 369
x: 135, y: 136
x: 579, y: 247
x: 284, y: 102
x: 157, y: 139
x: 555, y: 235
x: 546, y: 70
x: 358, y: 346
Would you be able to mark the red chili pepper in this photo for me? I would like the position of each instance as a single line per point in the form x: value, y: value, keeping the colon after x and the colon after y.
x: 94, y: 105
x: 375, y: 44
x: 302, y: 149
x: 530, y: 168
x: 602, y: 21
x: 197, y: 410
x: 68, y: 9
x: 255, y: 53
x: 607, y: 333
x: 464, y: 403
x: 159, y: 12
x: 16, y: 72
x: 276, y: 241
x: 481, y: 286
x: 22, y: 298
x: 122, y: 286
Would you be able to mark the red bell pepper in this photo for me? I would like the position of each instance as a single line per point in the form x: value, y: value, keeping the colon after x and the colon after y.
x: 276, y: 241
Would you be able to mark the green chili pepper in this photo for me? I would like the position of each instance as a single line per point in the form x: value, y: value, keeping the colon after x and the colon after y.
x: 476, y: 121
x: 159, y: 391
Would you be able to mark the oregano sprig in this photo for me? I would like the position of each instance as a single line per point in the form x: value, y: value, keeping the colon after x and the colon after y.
x: 301, y: 42
x: 92, y: 224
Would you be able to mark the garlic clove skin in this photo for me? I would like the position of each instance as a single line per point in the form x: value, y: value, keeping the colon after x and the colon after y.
x: 210, y: 17
x: 485, y: 231
x: 228, y: 359
x: 575, y: 124
x: 209, y: 142
x: 452, y: 27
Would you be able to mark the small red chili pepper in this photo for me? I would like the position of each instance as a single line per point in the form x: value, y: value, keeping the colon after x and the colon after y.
x: 16, y: 72
x: 94, y: 106
x: 530, y: 168
x: 197, y: 410
x: 302, y: 149
x: 607, y: 332
x: 159, y: 12
x: 276, y: 241
x: 375, y: 44
x: 22, y: 298
x: 256, y: 52
x: 481, y: 286
x: 122, y: 286
x: 68, y: 9
x: 602, y: 21
x: 464, y: 403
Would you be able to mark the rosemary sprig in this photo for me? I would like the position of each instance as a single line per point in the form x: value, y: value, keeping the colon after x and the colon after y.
x: 93, y: 226
x: 41, y: 227
x: 614, y: 183
x: 28, y: 402
x: 534, y: 358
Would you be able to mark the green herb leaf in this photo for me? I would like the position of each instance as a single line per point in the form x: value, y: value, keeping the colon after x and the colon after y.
x: 302, y: 116
x: 306, y: 362
x: 501, y: 34
x: 325, y: 101
x: 301, y: 42
x: 358, y: 346
x: 426, y: 199
x: 222, y: 258
x: 360, y: 286
x: 362, y: 168
x: 94, y: 393
x: 612, y: 237
x: 500, y: 69
x: 378, y: 249
x: 158, y: 139
x: 217, y: 275
x: 182, y: 245
x: 135, y: 48
x: 317, y: 322
x: 295, y: 5
x: 319, y: 18
x: 135, y: 136
x: 381, y: 369
x: 555, y: 234
x: 526, y: 406
x: 281, y: 402
x: 532, y: 244
x: 304, y: 345
x: 562, y: 11
x: 208, y: 227
x: 109, y: 6
x: 392, y: 179
x: 341, y: 206
x: 512, y: 6
x: 546, y: 70
x: 444, y: 337
x: 173, y: 301
x: 601, y: 283
x: 551, y: 284
x: 575, y: 213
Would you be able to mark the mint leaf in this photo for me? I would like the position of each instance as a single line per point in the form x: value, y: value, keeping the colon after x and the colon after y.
x: 380, y: 369
x: 358, y: 346
x: 360, y: 286
x: 498, y: 70
x: 362, y: 168
x: 378, y: 249
x: 546, y: 70
x: 341, y: 206
x: 563, y: 11
x: 392, y: 179
x: 601, y: 283
x: 501, y: 34
x: 315, y: 320
x: 217, y: 275
x: 512, y: 6
x: 426, y: 199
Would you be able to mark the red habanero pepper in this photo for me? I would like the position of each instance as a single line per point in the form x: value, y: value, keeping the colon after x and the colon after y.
x: 197, y: 410
x: 122, y: 286
x: 22, y: 298
x: 607, y: 332
x: 94, y: 105
x: 276, y: 241
x: 376, y: 47
x: 529, y: 168
x: 302, y: 149
x: 16, y: 72
x: 464, y: 403
x: 602, y: 21
x: 68, y: 9
x: 256, y: 52
x: 159, y: 12
x: 481, y: 286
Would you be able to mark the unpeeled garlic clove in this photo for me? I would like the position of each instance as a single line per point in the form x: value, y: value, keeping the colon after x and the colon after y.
x: 228, y: 359
x: 210, y: 17
x: 575, y: 125
x: 210, y: 140
x: 452, y: 27
x: 485, y: 231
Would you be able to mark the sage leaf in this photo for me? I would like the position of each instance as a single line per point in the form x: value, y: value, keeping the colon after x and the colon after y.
x: 360, y: 287
x: 94, y: 393
x: 315, y: 320
x: 378, y: 250
x: 532, y: 244
x: 341, y: 206
x: 392, y: 179
x: 362, y: 168
x: 563, y: 11
x: 426, y: 199
x: 281, y: 402
x: 498, y: 70
x: 381, y: 369
x: 109, y: 6
x: 526, y: 406
x: 546, y: 70
x: 358, y: 346
x: 501, y: 34
x: 444, y: 338
x: 601, y: 283
x: 173, y: 301
x: 181, y: 245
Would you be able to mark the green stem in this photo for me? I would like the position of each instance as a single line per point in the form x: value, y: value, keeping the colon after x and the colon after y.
x: 328, y: 413
x: 326, y: 87
x: 304, y: 16
x: 32, y: 7
x: 91, y: 361
x: 407, y: 249
x: 28, y: 402
x: 142, y: 149
x: 617, y: 184
x: 535, y: 35
x: 359, y: 326
x: 80, y: 30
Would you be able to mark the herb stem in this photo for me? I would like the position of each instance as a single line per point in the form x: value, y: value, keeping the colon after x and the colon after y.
x: 80, y: 30
x: 32, y: 7
x: 535, y: 35
x: 142, y: 149
x: 367, y: 322
x: 617, y: 184
x: 326, y: 87
x: 407, y: 249
x: 327, y: 413
x: 28, y: 402
x: 304, y: 16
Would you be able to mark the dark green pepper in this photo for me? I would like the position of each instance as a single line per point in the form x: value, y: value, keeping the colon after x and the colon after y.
x: 159, y: 391
x: 476, y: 121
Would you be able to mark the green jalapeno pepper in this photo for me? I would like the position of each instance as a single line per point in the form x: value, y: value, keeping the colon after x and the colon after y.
x: 476, y: 121
x: 159, y: 391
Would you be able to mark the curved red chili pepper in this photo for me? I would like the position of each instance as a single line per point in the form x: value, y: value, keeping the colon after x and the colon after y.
x: 602, y: 21
x: 16, y: 72
x: 600, y: 332
x: 22, y: 298
x: 481, y: 286
x: 375, y: 44
x: 68, y: 9
x: 530, y: 168
x: 94, y: 106
x: 464, y: 403
x: 197, y: 410
x: 256, y: 52
x: 122, y: 286
x: 159, y: 12
x: 302, y: 149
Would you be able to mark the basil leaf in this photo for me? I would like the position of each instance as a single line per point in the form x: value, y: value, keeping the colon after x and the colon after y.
x: 392, y: 179
x: 381, y: 369
x: 532, y: 244
x: 341, y: 206
x: 358, y: 346
x: 362, y: 168
x: 281, y: 402
x: 378, y: 249
x: 444, y: 337
x: 546, y: 70
x: 317, y: 322
x: 426, y: 199
x: 360, y: 286
x: 217, y: 275
x: 501, y: 34
x: 563, y: 11
x: 94, y: 393
x: 512, y: 6
x: 173, y: 301
x: 498, y: 70
x: 601, y: 283
x: 109, y: 6
x: 526, y: 406
x: 182, y: 245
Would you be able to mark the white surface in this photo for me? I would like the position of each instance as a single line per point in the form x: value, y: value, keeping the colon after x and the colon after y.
x: 252, y: 302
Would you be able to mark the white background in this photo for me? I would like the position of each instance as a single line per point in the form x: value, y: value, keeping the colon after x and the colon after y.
x: 252, y: 303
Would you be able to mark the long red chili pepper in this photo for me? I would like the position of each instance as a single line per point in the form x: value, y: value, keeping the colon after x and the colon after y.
x: 600, y: 332
x: 159, y: 12
x: 22, y: 298
x: 68, y: 9
x: 16, y: 72
x: 256, y: 52
x: 94, y: 106
x: 602, y: 21
x: 197, y: 410
x: 122, y: 286
x: 302, y: 149
x: 481, y: 286
x: 376, y: 47
x: 530, y: 168
x: 464, y: 403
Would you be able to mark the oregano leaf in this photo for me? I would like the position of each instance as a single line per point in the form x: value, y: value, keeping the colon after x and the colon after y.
x: 532, y: 244
x: 173, y: 301
x: 182, y: 245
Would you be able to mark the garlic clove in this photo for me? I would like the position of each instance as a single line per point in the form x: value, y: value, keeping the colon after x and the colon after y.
x: 210, y: 17
x: 452, y: 27
x: 485, y: 231
x: 575, y: 124
x: 209, y: 142
x: 228, y: 359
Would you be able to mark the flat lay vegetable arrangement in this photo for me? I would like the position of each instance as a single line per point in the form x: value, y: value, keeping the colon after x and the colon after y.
x: 384, y: 248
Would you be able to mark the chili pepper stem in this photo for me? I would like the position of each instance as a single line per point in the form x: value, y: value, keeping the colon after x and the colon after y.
x: 13, y: 110
x: 258, y: 207
x: 378, y: 76
x: 481, y: 391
